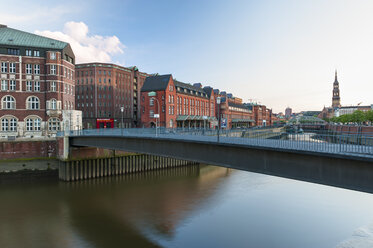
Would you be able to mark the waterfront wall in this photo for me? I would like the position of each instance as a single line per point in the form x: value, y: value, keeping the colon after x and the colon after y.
x: 75, y: 170
x: 363, y: 130
x: 24, y: 149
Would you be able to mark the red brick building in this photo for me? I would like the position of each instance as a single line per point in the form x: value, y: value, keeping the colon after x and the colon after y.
x: 103, y: 89
x: 233, y: 113
x: 178, y: 104
x: 263, y: 116
x: 37, y: 85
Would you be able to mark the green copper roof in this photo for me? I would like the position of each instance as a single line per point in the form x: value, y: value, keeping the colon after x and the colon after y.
x: 14, y: 37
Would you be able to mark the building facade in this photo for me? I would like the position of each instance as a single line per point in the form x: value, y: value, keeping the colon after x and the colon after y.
x: 166, y: 102
x: 37, y: 85
x: 288, y: 113
x: 233, y: 113
x: 108, y: 95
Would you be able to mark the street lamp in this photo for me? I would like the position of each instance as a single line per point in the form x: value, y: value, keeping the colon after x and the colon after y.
x: 152, y: 95
x: 122, y: 110
x: 218, y: 102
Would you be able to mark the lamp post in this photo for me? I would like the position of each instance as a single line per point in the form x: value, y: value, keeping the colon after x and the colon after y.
x: 122, y: 110
x: 152, y: 95
x: 218, y: 102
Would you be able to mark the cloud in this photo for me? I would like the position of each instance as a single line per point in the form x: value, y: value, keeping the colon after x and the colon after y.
x: 87, y: 48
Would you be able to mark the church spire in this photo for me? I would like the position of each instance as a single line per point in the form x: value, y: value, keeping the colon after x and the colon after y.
x: 336, y: 100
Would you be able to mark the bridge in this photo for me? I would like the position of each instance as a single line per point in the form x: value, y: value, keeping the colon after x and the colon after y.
x: 341, y: 161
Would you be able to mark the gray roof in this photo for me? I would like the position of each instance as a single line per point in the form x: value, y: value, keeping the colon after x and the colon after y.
x: 189, y: 88
x: 238, y: 105
x: 208, y: 90
x: 155, y: 83
x: 14, y: 37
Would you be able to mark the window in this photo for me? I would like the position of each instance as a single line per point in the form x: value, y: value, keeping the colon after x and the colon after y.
x: 151, y: 101
x: 28, y: 52
x: 4, y: 85
x: 12, y: 51
x: 53, y: 70
x: 29, y: 124
x: 8, y: 102
x: 4, y: 125
x: 36, y: 53
x: 151, y: 113
x: 28, y: 86
x: 53, y: 55
x: 53, y: 86
x: 4, y: 67
x: 12, y: 67
x: 29, y: 68
x: 37, y: 124
x: 33, y: 124
x: 36, y: 69
x: 37, y: 86
x: 53, y: 124
x: 9, y: 124
x: 12, y: 85
x: 33, y: 102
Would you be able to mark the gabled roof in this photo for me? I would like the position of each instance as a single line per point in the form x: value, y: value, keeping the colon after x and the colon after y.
x: 14, y: 37
x: 155, y: 83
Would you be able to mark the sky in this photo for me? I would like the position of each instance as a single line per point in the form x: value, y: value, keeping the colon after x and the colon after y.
x: 278, y: 53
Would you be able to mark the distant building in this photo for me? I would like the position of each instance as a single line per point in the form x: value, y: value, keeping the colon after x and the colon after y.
x: 336, y: 99
x: 350, y: 109
x: 37, y: 85
x: 288, y: 112
x: 234, y: 113
x: 328, y: 112
x: 103, y: 90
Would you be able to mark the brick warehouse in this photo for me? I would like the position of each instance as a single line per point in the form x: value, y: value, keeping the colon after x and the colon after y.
x: 103, y: 89
x: 178, y: 104
x: 37, y: 85
x: 233, y: 112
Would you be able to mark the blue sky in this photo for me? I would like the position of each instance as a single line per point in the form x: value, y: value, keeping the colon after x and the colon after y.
x: 279, y: 53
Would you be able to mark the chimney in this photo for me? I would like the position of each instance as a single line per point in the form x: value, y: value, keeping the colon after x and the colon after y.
x: 3, y: 26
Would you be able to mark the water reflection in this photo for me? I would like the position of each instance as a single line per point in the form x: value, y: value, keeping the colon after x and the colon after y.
x: 192, y: 206
x: 107, y: 212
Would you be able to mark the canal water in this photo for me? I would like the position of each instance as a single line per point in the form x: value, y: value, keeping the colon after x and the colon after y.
x: 196, y: 206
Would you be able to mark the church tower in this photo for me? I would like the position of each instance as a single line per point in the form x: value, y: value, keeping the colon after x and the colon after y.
x: 336, y: 100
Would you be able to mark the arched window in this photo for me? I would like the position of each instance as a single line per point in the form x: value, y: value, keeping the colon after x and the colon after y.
x: 53, y: 124
x: 8, y: 102
x: 33, y: 123
x: 9, y: 123
x: 33, y: 102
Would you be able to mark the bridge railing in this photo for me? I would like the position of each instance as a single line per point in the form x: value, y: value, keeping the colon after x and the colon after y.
x: 315, y: 141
